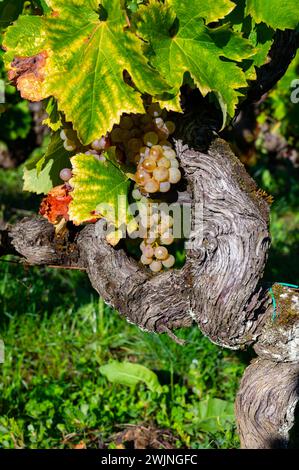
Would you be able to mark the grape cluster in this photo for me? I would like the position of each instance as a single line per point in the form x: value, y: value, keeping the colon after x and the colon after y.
x: 156, y: 230
x: 143, y: 141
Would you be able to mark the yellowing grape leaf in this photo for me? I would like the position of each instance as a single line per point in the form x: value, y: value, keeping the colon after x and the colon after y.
x: 208, y: 10
x: 100, y: 190
x: 181, y: 43
x: 276, y: 13
x: 79, y: 54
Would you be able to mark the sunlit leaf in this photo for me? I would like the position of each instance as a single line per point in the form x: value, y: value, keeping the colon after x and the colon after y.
x: 100, y: 190
x: 182, y: 43
x: 276, y: 13
x: 126, y: 373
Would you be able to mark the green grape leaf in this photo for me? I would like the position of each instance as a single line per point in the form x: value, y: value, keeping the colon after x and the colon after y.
x: 81, y: 54
x: 275, y: 13
x: 209, y: 10
x: 260, y: 36
x: 42, y: 174
x: 126, y: 373
x: 100, y: 189
x: 182, y: 43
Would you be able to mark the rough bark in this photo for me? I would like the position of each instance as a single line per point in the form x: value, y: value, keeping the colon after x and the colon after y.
x: 266, y: 404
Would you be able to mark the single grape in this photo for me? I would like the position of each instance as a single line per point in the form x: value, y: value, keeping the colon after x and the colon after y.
x: 148, y: 251
x: 147, y: 261
x: 91, y: 152
x: 135, y: 133
x: 159, y: 123
x: 166, y: 220
x: 174, y: 163
x: 142, y: 176
x: 126, y: 123
x: 150, y: 240
x: 136, y: 194
x: 170, y: 154
x: 155, y: 219
x: 145, y: 119
x: 156, y: 266
x: 132, y: 228
x: 151, y: 186
x: 163, y: 133
x: 174, y: 175
x: 170, y: 126
x: 150, y: 139
x: 156, y: 152
x: 66, y: 174
x: 169, y: 262
x: 135, y: 145
x: 126, y: 136
x: 116, y: 135
x: 164, y: 162
x: 165, y: 187
x: 149, y: 164
x: 69, y: 146
x: 166, y: 239
x: 161, y: 174
x: 63, y: 135
x: 161, y: 253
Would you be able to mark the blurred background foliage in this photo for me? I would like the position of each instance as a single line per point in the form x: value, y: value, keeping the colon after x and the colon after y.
x: 58, y: 334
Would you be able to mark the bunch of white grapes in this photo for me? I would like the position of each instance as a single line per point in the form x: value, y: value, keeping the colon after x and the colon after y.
x: 142, y: 138
x: 156, y: 229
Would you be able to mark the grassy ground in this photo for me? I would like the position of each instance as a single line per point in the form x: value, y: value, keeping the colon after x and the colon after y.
x: 58, y: 334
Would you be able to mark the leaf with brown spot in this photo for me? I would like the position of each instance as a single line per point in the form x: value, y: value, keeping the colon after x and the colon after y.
x: 28, y: 75
x: 55, y: 206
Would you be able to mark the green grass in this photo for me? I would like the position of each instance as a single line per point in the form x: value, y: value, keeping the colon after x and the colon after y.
x: 57, y: 334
